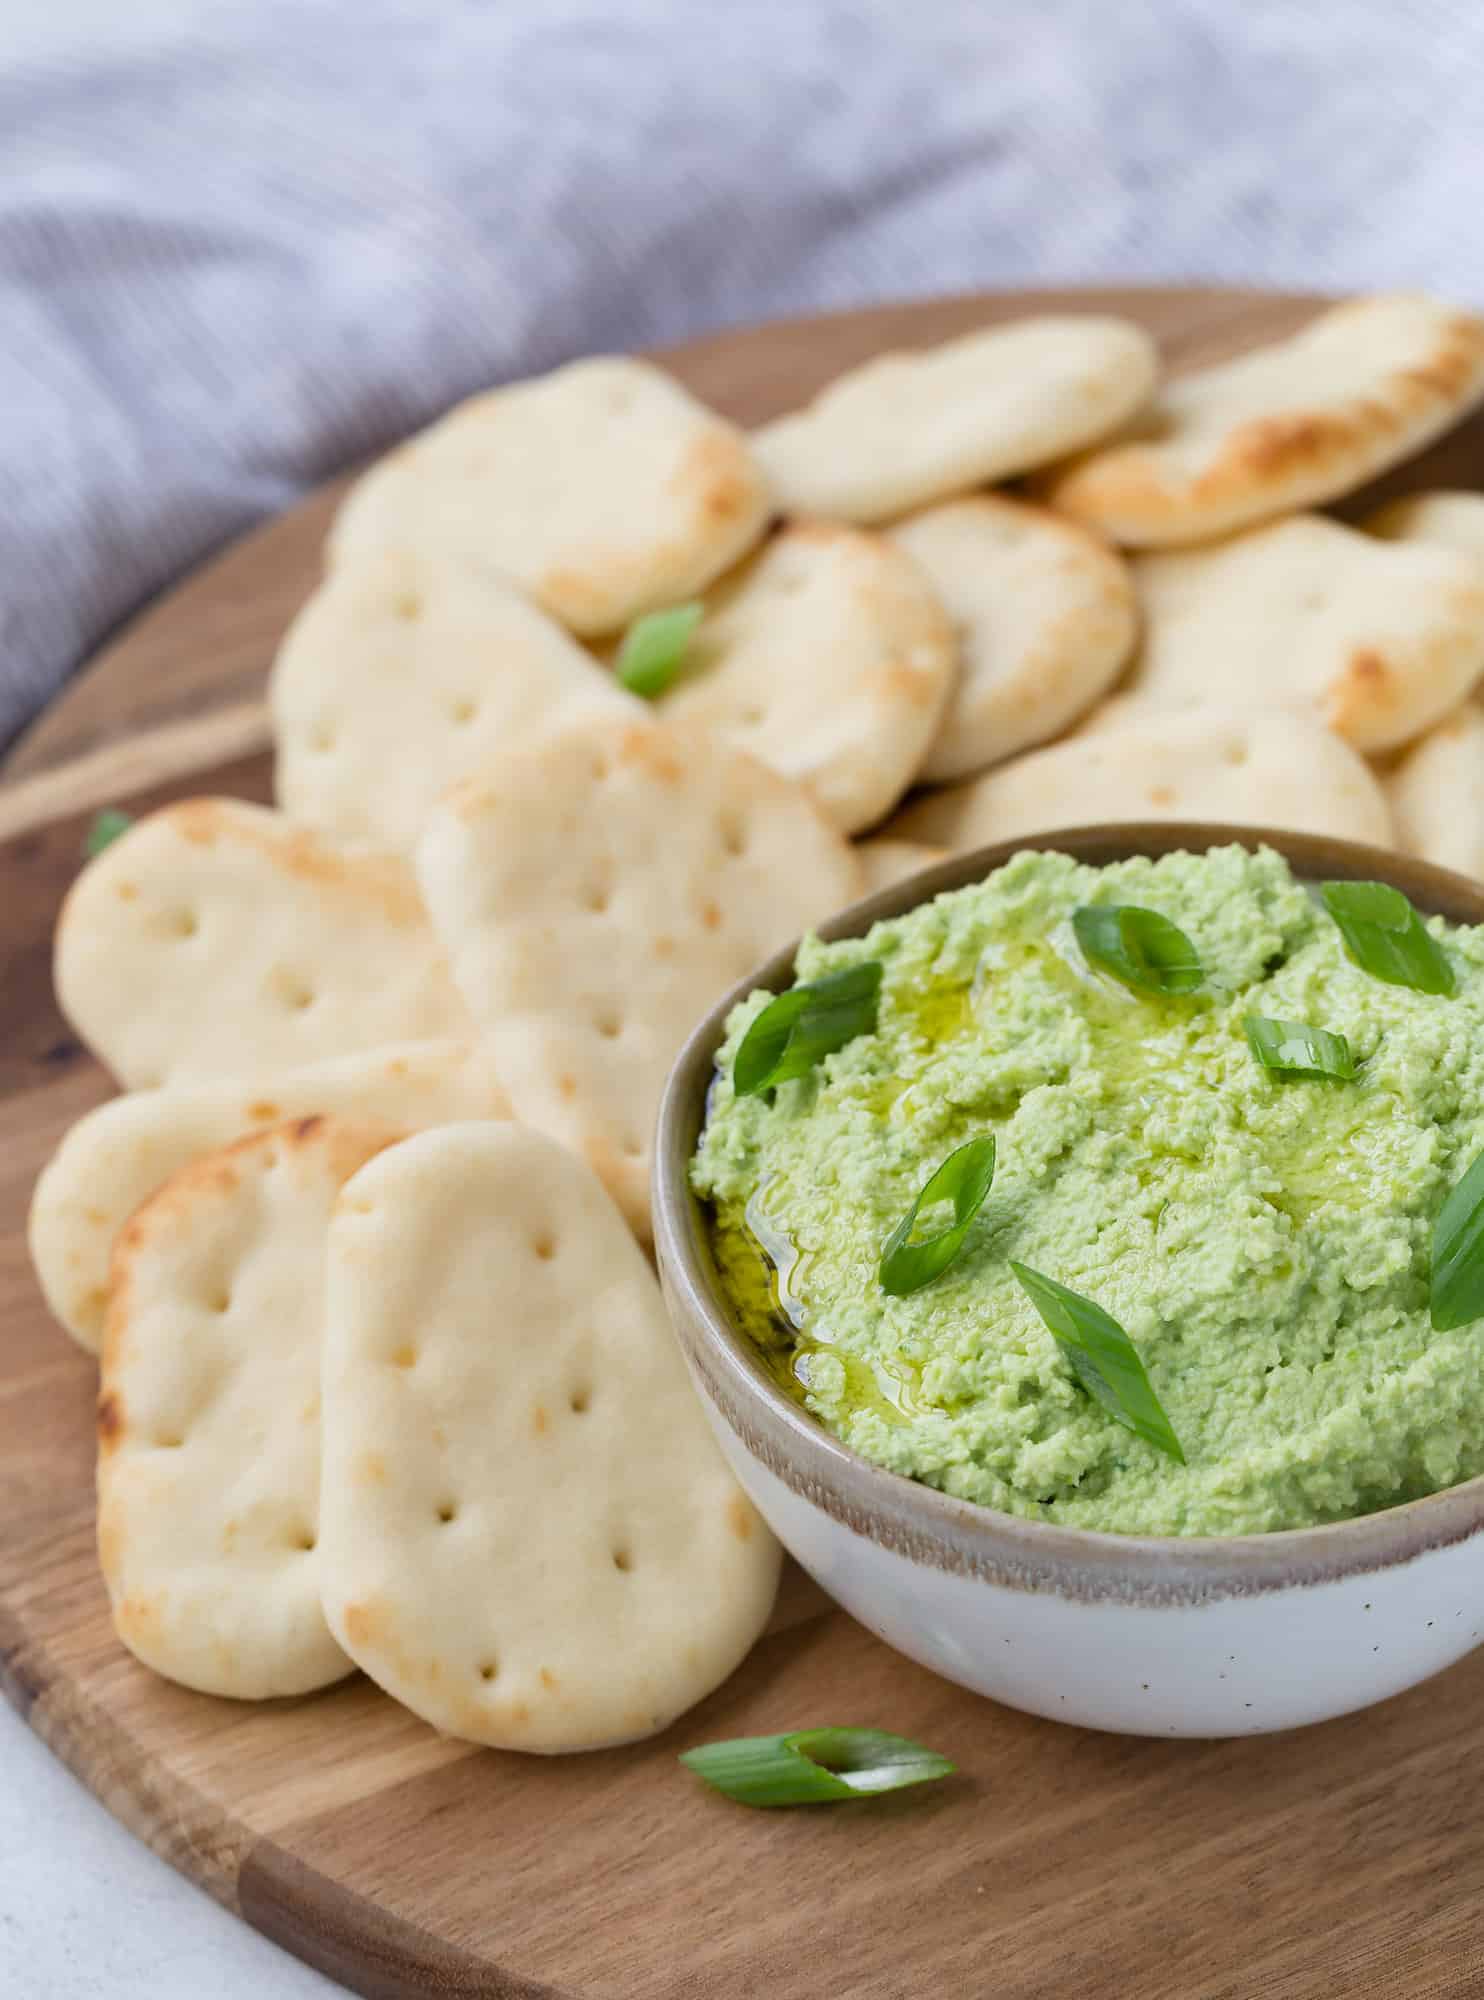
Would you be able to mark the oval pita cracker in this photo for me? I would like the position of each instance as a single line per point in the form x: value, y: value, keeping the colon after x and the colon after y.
x: 1289, y: 425
x: 112, y: 1160
x: 602, y: 490
x: 909, y: 428
x: 1046, y: 617
x: 598, y: 893
x: 529, y: 1536
x: 1437, y: 793
x: 404, y: 672
x: 1376, y: 640
x: 209, y: 1416
x: 1202, y: 764
x: 828, y: 657
x: 216, y: 939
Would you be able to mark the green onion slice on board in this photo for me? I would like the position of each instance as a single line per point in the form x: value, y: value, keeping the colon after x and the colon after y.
x: 814, y: 1766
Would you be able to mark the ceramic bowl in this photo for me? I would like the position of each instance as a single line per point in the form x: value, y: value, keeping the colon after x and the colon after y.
x: 1177, y: 1636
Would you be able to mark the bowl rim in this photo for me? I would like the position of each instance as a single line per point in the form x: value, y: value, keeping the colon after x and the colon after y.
x: 964, y: 1537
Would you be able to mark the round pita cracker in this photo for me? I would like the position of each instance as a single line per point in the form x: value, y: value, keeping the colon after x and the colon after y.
x: 1289, y: 425
x: 910, y: 428
x: 1376, y: 640
x: 217, y: 939
x: 1244, y: 769
x: 1437, y: 793
x: 597, y: 893
x: 602, y: 490
x: 528, y: 1534
x: 405, y: 671
x: 828, y: 657
x: 1046, y: 617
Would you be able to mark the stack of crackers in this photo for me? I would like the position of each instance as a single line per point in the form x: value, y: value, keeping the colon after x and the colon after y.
x: 386, y: 1378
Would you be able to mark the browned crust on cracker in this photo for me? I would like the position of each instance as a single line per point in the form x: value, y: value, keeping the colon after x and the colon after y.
x: 382, y: 879
x: 654, y: 751
x: 299, y: 851
x: 1270, y: 464
x: 718, y: 477
x: 1369, y: 689
x: 110, y: 1420
x: 173, y: 1206
x: 725, y: 495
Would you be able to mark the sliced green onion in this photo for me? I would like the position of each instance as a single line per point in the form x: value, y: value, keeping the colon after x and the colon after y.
x: 1103, y: 1356
x: 1296, y: 1048
x: 105, y: 829
x: 793, y: 1031
x: 1457, y: 1285
x: 653, y: 649
x: 1139, y: 947
x: 814, y: 1766
x: 963, y: 1179
x: 1386, y: 937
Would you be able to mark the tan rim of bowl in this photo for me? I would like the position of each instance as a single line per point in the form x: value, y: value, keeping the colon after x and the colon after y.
x: 959, y: 1536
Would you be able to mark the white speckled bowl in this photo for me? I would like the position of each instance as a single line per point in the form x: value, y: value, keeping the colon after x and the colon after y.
x: 1160, y: 1637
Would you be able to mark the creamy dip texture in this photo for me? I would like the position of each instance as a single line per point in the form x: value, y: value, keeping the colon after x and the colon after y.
x: 1264, y: 1241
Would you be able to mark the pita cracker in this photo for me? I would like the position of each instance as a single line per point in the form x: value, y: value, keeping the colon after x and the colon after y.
x: 598, y: 893
x: 501, y: 1548
x: 404, y: 672
x: 1245, y: 769
x: 885, y: 862
x: 910, y: 428
x: 1451, y: 520
x: 216, y: 939
x: 1376, y: 640
x: 209, y: 1416
x: 113, y: 1159
x: 602, y: 490
x: 1437, y: 793
x: 828, y: 657
x: 1046, y: 617
x: 1289, y: 425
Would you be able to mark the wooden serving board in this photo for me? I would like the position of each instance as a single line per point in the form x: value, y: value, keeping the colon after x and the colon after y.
x: 1345, y: 1860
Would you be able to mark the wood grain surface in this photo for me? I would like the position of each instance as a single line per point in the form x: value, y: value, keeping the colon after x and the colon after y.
x: 1341, y: 1861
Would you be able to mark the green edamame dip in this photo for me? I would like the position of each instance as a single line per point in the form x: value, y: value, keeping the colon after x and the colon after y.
x: 1263, y: 1238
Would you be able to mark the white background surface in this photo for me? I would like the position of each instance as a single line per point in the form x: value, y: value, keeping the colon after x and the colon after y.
x: 87, y: 1911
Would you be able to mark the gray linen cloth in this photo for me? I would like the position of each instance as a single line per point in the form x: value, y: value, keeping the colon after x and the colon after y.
x: 244, y: 241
